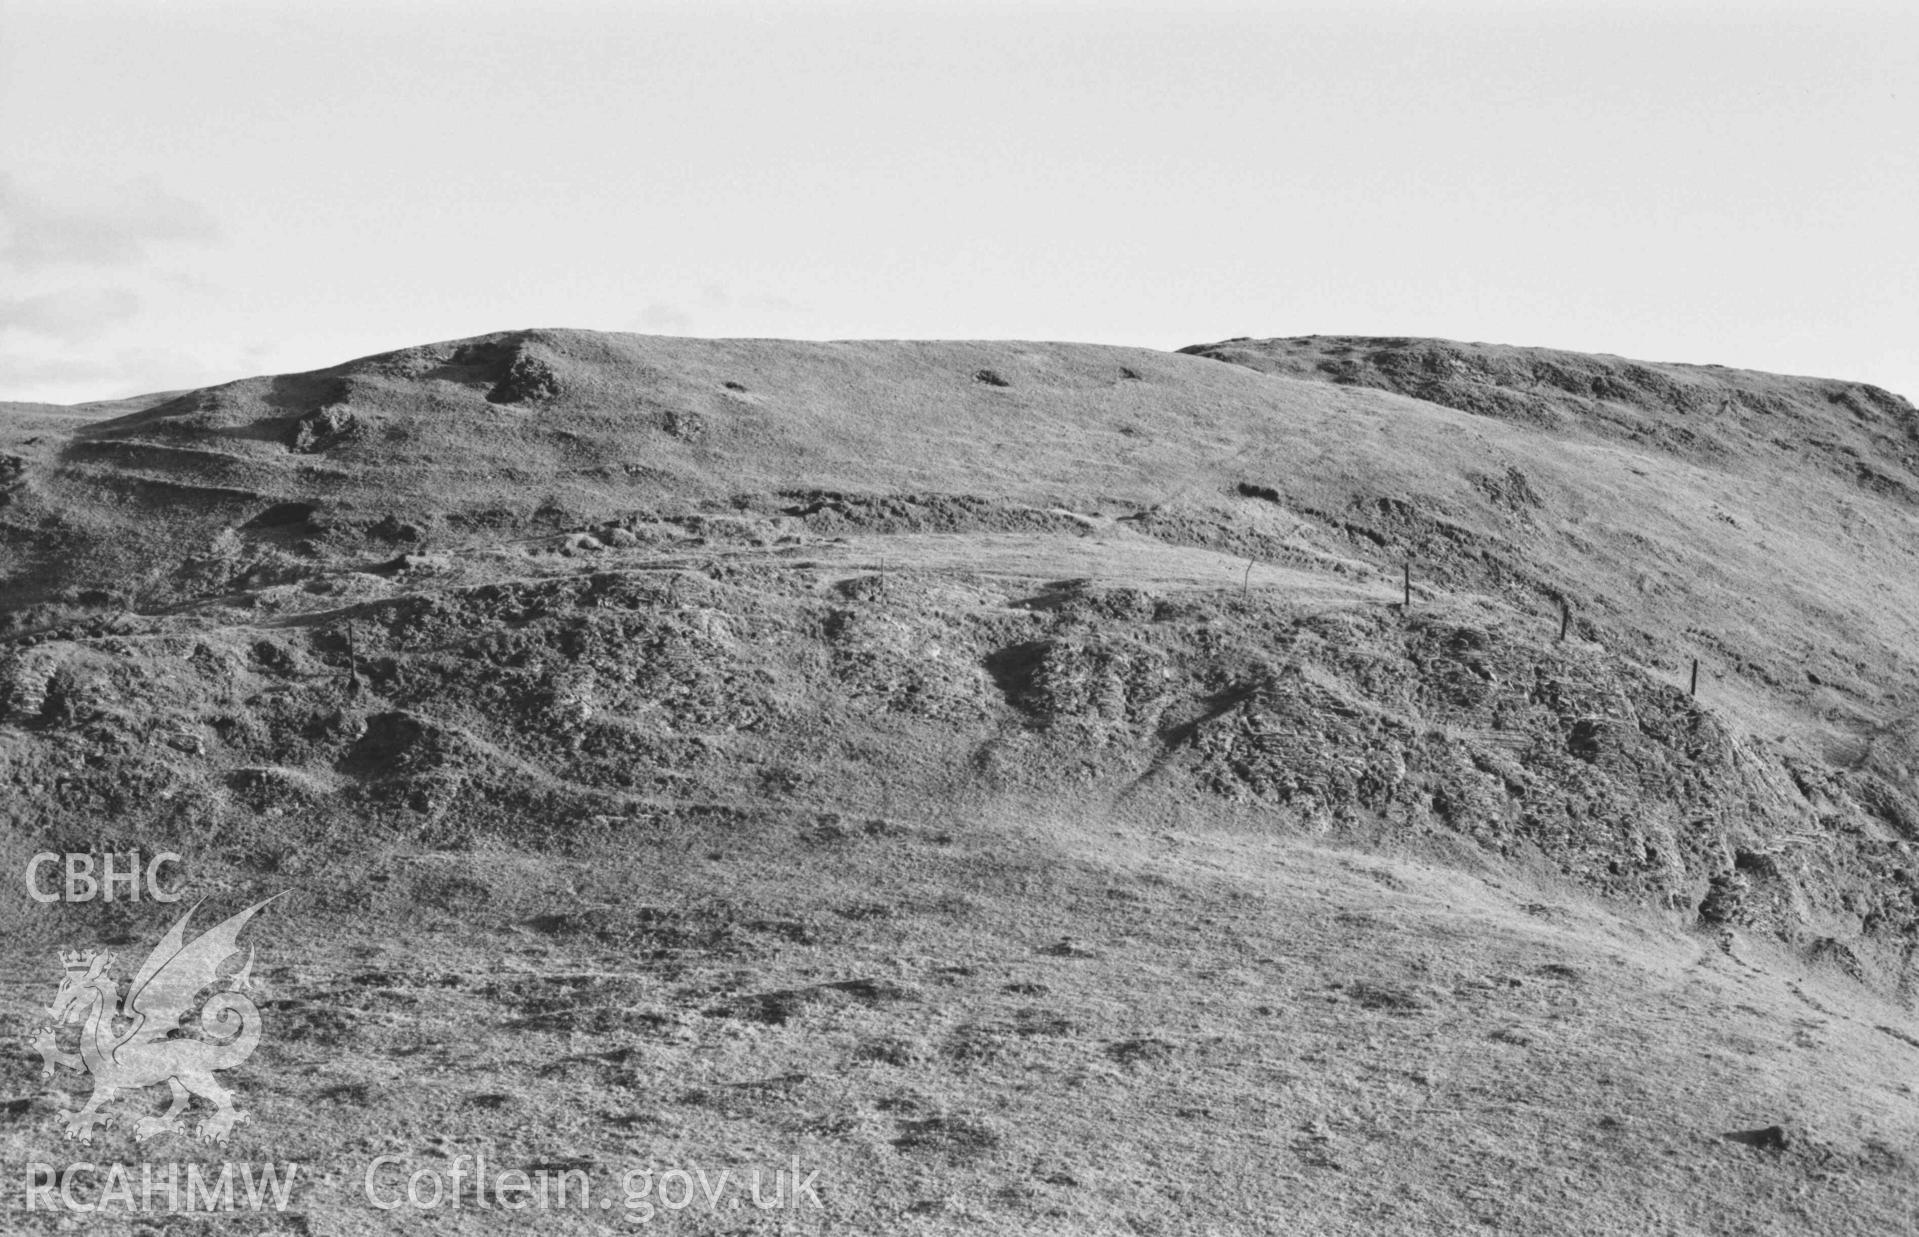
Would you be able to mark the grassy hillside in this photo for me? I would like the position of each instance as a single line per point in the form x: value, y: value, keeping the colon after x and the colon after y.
x: 922, y: 757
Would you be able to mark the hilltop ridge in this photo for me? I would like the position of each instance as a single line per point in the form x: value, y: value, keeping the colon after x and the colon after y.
x: 1761, y: 524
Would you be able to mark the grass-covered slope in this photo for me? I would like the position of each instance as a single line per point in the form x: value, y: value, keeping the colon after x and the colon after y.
x: 710, y: 670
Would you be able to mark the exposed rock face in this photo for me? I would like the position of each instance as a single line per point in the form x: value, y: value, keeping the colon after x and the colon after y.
x: 528, y: 709
x: 13, y: 469
x: 323, y: 429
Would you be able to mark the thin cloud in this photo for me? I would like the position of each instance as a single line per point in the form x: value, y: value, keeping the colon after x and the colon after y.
x: 70, y: 315
x: 665, y: 319
x: 120, y: 231
x: 718, y: 303
x: 37, y: 378
x: 718, y: 297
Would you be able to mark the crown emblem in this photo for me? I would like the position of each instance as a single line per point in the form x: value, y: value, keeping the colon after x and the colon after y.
x: 90, y: 961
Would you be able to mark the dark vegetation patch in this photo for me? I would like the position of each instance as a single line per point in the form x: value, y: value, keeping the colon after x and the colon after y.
x: 958, y: 1138
x: 828, y: 511
x: 528, y: 379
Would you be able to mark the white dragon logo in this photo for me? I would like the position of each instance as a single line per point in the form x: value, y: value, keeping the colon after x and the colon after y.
x: 146, y: 1052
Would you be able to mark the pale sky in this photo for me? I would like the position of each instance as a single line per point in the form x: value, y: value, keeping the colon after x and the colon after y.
x: 192, y: 191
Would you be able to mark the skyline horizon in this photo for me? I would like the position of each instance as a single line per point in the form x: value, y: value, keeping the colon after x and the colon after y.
x: 1339, y: 335
x: 204, y: 189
